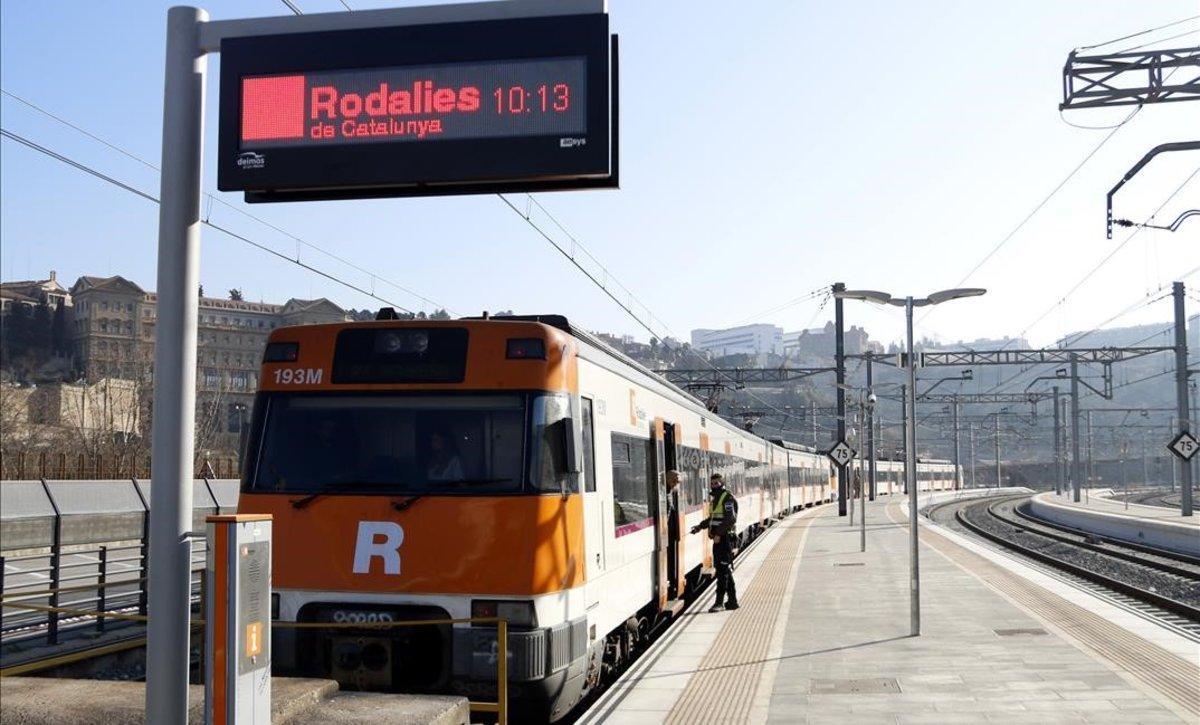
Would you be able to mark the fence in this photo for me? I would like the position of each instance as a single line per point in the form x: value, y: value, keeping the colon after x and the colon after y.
x: 79, y: 545
x: 23, y: 465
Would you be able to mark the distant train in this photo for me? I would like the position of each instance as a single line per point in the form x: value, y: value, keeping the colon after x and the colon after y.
x: 508, y: 467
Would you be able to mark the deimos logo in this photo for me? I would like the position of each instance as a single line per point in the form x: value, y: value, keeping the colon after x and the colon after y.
x: 251, y: 160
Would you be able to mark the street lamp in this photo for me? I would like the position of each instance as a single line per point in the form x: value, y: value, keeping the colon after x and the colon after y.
x: 910, y: 443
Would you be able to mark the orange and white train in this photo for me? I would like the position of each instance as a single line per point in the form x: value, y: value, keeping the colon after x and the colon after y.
x: 509, y: 467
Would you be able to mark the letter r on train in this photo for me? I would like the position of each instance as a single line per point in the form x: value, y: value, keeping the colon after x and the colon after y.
x: 380, y: 539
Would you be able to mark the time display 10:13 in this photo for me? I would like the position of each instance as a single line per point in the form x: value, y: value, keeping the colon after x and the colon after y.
x: 545, y: 98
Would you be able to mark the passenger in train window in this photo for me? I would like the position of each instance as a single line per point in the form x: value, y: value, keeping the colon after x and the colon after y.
x: 444, y: 463
x: 721, y: 524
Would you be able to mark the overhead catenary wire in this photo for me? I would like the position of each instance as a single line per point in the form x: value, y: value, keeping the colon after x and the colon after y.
x: 571, y: 255
x: 1140, y: 33
x: 1121, y: 245
x: 149, y: 197
x: 211, y: 198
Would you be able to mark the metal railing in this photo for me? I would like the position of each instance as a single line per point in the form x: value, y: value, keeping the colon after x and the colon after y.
x: 84, y: 587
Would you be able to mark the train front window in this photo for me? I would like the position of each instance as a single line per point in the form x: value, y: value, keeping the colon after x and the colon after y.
x: 388, y: 443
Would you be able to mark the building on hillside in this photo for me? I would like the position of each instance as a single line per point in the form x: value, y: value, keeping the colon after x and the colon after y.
x: 113, y: 331
x: 755, y: 339
x: 31, y: 293
x: 821, y: 342
x: 109, y: 405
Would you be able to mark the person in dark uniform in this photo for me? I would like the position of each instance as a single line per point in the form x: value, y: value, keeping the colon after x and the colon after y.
x: 721, y: 524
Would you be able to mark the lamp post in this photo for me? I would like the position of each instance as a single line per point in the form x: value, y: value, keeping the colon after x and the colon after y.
x: 910, y: 443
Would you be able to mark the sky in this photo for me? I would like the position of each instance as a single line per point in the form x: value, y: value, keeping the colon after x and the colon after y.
x: 768, y: 149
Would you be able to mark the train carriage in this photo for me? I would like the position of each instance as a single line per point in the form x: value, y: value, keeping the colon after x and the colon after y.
x: 510, y: 467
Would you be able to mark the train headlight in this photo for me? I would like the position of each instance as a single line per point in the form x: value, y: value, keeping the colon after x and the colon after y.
x: 518, y: 614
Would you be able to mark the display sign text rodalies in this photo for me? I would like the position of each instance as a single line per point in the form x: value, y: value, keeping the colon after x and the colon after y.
x: 469, y: 107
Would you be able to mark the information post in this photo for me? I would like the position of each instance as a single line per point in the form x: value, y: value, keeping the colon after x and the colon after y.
x: 237, y: 610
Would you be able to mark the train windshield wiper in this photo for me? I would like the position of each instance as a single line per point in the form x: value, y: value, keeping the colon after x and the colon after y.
x: 406, y: 503
x: 303, y: 501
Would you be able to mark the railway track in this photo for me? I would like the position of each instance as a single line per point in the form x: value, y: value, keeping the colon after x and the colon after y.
x: 1155, y: 584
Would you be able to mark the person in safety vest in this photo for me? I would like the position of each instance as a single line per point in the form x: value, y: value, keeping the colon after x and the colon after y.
x: 721, y: 524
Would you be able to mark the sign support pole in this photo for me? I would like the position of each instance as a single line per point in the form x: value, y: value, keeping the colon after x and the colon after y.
x: 1076, y: 469
x: 840, y: 363
x: 1181, y: 395
x: 169, y: 582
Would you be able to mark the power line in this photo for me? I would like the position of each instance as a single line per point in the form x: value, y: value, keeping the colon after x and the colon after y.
x: 126, y: 187
x: 1045, y: 200
x: 572, y: 256
x: 1160, y: 40
x: 1062, y: 300
x: 1141, y: 32
x: 212, y: 198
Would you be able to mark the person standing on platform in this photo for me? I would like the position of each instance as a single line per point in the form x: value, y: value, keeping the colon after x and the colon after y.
x: 721, y: 524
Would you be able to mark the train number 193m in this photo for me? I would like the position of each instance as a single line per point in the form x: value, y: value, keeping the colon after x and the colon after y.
x: 298, y: 376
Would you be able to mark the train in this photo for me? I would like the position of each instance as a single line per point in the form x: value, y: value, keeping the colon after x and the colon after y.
x: 508, y: 467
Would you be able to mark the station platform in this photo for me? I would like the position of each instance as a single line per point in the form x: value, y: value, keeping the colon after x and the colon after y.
x: 823, y: 636
x: 1157, y: 526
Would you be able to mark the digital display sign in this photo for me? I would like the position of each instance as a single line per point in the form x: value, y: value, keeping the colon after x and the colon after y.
x: 522, y: 104
x: 460, y: 101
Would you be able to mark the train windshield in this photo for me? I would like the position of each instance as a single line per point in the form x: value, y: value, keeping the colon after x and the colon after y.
x: 387, y: 443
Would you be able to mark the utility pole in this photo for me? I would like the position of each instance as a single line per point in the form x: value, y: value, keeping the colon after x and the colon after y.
x: 957, y: 469
x: 870, y: 434
x: 816, y: 444
x: 1075, y: 469
x: 972, y: 432
x: 840, y: 364
x: 1181, y: 394
x: 998, y: 484
x: 1091, y: 471
x: 1058, y: 479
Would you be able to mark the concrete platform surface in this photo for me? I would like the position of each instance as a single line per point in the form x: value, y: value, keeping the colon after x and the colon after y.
x: 396, y: 709
x: 823, y: 637
x: 56, y: 701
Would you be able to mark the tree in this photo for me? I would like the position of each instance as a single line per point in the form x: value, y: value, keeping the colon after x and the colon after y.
x: 235, y: 294
x: 60, y: 338
x: 439, y: 314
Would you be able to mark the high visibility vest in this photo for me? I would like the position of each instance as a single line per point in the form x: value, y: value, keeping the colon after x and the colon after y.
x: 716, y: 514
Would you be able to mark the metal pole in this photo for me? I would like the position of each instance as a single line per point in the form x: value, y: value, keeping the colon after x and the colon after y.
x: 840, y: 364
x: 904, y: 428
x: 910, y: 466
x: 870, y: 433
x: 814, y: 423
x: 997, y: 450
x: 1076, y: 470
x: 175, y: 370
x: 1181, y: 395
x: 1091, y: 470
x: 1145, y: 463
x: 957, y: 468
x: 1058, y: 482
x: 971, y: 431
x: 862, y: 485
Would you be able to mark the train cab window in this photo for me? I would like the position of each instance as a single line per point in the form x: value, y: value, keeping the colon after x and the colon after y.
x: 390, y: 444
x: 630, y: 481
x: 589, y: 442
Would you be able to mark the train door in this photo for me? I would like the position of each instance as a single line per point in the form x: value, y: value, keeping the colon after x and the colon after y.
x: 659, y: 512
x: 674, y: 512
x: 596, y: 523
